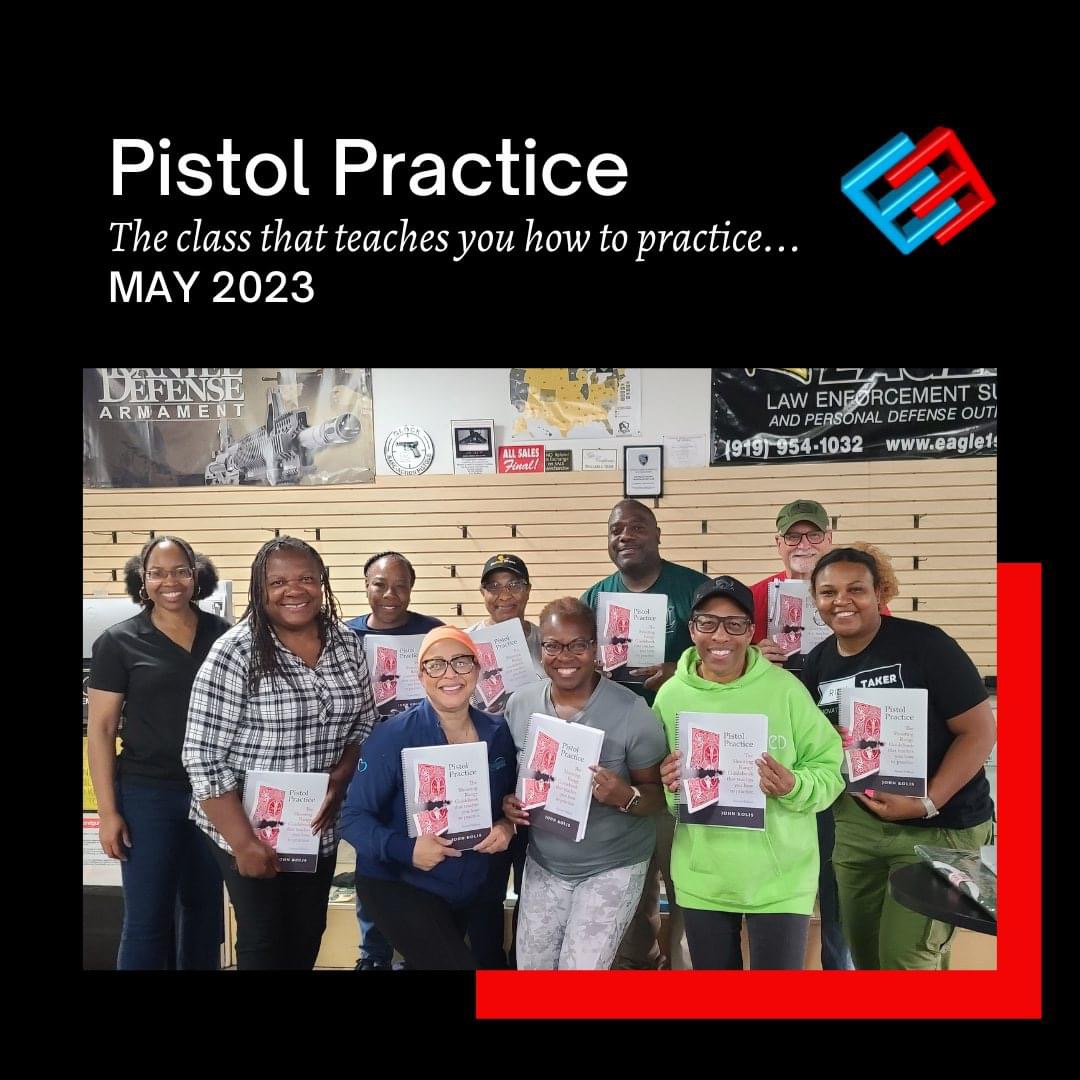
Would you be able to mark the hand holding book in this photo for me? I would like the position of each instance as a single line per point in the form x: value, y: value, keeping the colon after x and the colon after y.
x: 891, y: 807
x: 775, y: 779
x: 430, y: 850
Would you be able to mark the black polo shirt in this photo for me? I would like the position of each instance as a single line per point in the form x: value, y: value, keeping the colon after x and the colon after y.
x: 136, y: 659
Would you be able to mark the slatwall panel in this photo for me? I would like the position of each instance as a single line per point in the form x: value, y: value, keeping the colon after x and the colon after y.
x: 937, y: 519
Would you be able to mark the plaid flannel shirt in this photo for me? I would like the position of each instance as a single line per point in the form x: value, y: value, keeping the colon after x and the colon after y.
x: 300, y: 723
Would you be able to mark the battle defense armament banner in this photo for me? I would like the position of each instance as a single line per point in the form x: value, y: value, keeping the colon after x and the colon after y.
x: 783, y: 415
x: 165, y: 427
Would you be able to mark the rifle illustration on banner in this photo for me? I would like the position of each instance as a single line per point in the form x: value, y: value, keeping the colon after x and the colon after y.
x: 282, y: 451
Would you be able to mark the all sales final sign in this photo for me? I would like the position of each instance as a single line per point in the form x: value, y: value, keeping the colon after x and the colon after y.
x: 518, y: 458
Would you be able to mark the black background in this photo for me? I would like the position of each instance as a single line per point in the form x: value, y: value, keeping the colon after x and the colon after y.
x: 715, y: 122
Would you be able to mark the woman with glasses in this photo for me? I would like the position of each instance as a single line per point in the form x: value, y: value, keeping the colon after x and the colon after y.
x: 422, y: 892
x: 577, y: 898
x: 505, y: 588
x: 876, y: 832
x: 724, y: 874
x: 142, y: 671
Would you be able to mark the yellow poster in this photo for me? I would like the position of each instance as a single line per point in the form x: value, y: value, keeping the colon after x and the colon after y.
x: 89, y: 799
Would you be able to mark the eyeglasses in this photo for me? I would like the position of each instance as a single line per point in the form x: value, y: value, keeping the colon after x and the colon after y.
x: 709, y: 624
x: 462, y: 664
x: 511, y: 588
x: 794, y: 539
x: 181, y: 573
x: 577, y: 647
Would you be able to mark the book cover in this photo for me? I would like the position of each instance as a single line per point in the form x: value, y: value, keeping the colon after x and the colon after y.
x: 631, y: 631
x: 280, y: 807
x: 794, y: 621
x: 505, y: 662
x: 884, y: 733
x: 393, y: 661
x: 554, y: 779
x: 447, y: 792
x: 719, y: 783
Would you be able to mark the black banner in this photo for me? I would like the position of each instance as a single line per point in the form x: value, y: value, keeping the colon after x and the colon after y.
x: 783, y: 415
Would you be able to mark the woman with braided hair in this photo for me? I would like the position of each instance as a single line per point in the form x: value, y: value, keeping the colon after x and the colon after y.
x: 285, y: 690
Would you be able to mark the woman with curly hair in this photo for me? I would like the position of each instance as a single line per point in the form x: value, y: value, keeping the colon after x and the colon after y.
x: 876, y: 831
x: 142, y: 671
x: 285, y: 690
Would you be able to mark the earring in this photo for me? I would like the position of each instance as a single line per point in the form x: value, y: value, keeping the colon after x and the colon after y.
x: 143, y: 595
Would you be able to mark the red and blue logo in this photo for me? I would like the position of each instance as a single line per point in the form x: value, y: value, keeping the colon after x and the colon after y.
x: 942, y: 203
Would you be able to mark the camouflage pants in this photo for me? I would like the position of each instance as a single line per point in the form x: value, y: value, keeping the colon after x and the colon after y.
x: 567, y: 925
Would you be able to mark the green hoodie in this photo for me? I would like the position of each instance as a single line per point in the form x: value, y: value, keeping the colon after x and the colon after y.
x: 744, y: 870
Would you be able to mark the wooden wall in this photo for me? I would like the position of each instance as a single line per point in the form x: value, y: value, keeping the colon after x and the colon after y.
x: 937, y: 519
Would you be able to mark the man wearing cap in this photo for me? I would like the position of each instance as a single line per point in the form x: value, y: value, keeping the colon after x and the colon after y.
x: 634, y: 548
x: 804, y: 535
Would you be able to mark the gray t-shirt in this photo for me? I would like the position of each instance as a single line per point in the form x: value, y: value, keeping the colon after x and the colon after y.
x: 633, y: 739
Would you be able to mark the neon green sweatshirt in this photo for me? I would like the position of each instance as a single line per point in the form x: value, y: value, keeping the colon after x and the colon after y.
x: 754, y: 871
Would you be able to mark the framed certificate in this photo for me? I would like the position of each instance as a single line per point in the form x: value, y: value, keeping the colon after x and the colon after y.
x: 643, y: 470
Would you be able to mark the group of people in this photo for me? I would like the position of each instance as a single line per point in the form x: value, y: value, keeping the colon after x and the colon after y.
x: 287, y: 689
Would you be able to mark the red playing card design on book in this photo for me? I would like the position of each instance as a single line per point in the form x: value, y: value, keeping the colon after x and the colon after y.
x: 791, y: 615
x: 430, y: 783
x: 704, y: 754
x: 618, y: 633
x: 704, y: 749
x: 534, y: 793
x: 544, y: 754
x: 269, y: 806
x: 491, y: 682
x: 865, y: 726
x: 432, y: 822
x: 385, y: 675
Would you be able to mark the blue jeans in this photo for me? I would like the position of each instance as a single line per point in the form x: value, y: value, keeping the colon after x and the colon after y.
x: 835, y: 955
x: 373, y: 943
x: 172, y: 888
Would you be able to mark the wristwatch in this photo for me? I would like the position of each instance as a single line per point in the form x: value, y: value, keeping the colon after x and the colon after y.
x: 635, y: 798
x: 931, y: 809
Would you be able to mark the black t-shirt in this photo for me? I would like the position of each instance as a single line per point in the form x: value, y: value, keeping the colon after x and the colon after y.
x: 912, y: 655
x: 136, y: 659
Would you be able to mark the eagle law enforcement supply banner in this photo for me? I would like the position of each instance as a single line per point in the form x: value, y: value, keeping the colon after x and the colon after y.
x: 166, y: 427
x: 852, y: 414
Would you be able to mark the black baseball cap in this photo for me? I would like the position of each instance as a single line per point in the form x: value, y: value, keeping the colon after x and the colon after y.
x: 724, y: 586
x: 505, y: 562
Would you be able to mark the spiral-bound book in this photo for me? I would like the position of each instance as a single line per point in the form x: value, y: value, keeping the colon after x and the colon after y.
x: 447, y: 792
x: 795, y: 623
x: 505, y: 662
x: 392, y: 661
x: 631, y: 631
x: 718, y: 778
x: 554, y: 779
x: 884, y: 739
x: 280, y: 807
